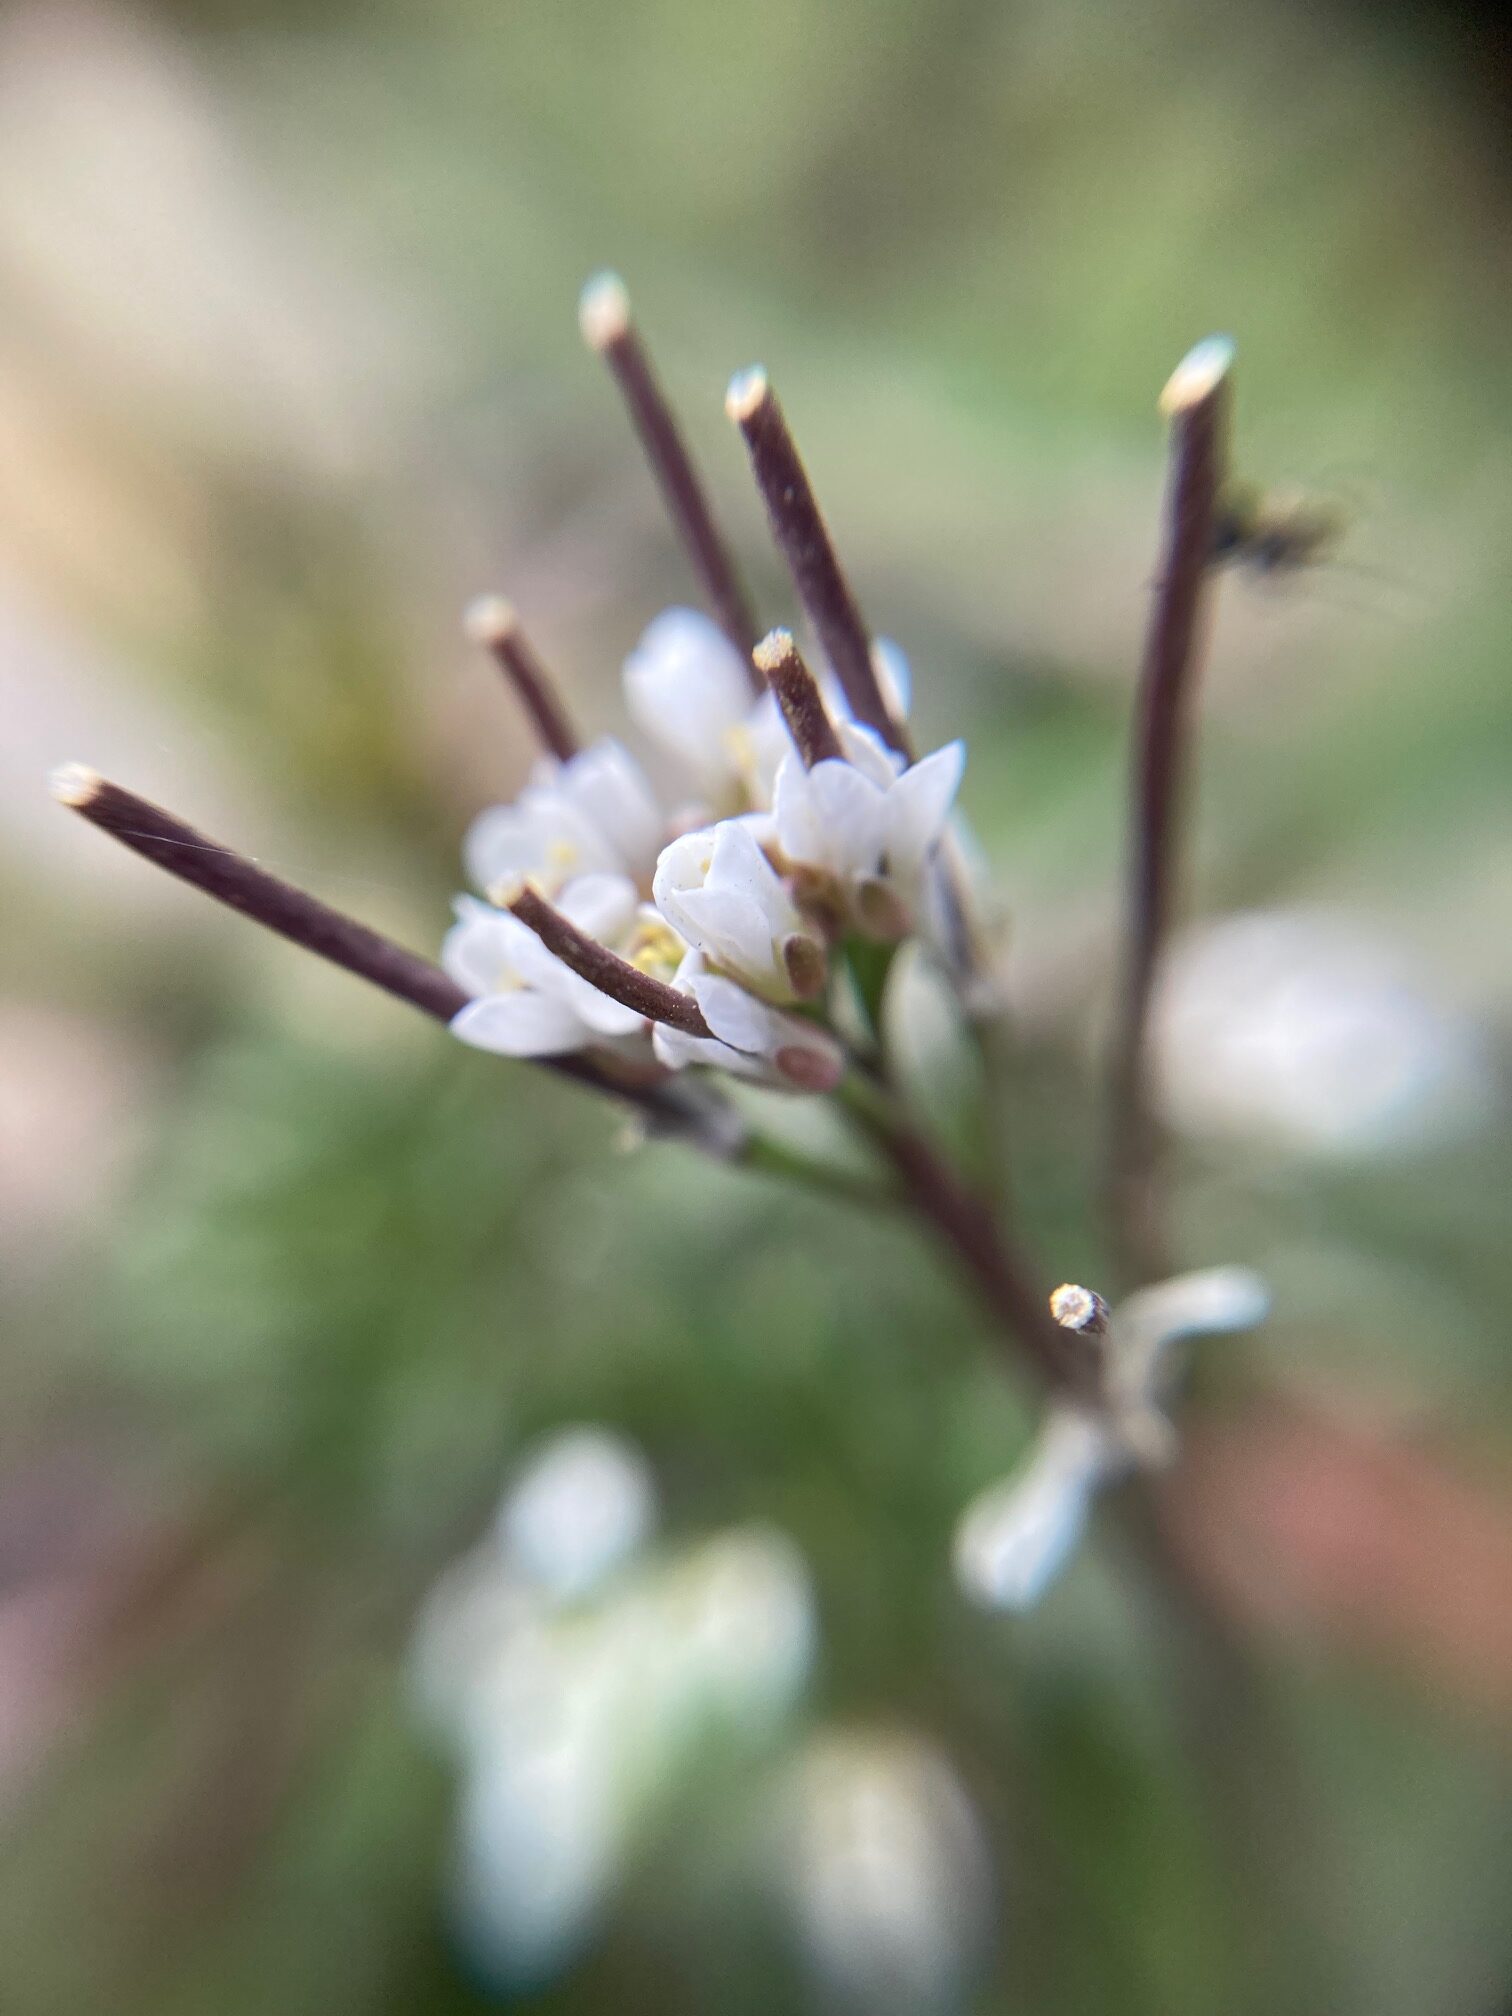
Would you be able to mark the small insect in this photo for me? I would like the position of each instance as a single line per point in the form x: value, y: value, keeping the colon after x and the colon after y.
x: 1274, y: 531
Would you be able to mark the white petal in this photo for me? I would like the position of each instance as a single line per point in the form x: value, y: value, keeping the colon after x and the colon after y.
x: 543, y: 835
x: 604, y: 906
x: 732, y: 930
x: 1147, y: 1323
x: 676, y: 1051
x: 500, y: 843
x: 829, y: 817
x: 739, y: 865
x: 687, y: 688
x: 918, y: 806
x: 811, y: 1058
x: 865, y: 749
x: 795, y: 816
x: 1016, y: 1536
x: 605, y: 785
x: 739, y: 1018
x: 602, y: 1014
x: 851, y: 813
x: 682, y: 869
x: 522, y: 1024
x: 683, y: 864
x: 478, y: 951
x: 718, y: 890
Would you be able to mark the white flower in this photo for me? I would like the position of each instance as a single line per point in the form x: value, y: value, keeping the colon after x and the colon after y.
x: 577, y: 1680
x: 718, y: 890
x: 1148, y: 1323
x: 582, y: 1506
x: 593, y: 815
x: 1302, y: 1029
x: 1015, y: 1537
x: 687, y: 687
x: 887, y: 1874
x: 864, y: 822
x: 527, y: 1003
x: 750, y: 1038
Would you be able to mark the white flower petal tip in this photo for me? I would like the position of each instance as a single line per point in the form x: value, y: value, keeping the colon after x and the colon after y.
x: 604, y: 311
x: 1210, y: 1302
x: 1014, y: 1539
x: 521, y: 1024
x: 1004, y: 1563
x: 593, y: 814
x: 1198, y: 375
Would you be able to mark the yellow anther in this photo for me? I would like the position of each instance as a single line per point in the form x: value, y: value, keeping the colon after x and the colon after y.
x: 654, y: 948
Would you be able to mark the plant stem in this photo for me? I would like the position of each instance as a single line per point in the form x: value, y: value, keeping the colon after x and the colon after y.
x: 608, y: 327
x: 640, y: 992
x: 239, y: 883
x: 803, y: 538
x: 1003, y: 1277
x: 778, y: 659
x: 493, y: 623
x: 1196, y: 401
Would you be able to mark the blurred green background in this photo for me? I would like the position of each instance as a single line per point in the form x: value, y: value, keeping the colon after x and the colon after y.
x: 288, y: 369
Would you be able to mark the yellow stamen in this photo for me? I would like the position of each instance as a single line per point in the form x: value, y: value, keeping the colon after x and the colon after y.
x: 654, y: 948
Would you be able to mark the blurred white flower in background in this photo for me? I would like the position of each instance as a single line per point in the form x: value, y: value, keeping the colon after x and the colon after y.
x: 1015, y: 1537
x: 887, y: 1874
x: 578, y: 1511
x: 1299, y: 1027
x: 578, y: 1678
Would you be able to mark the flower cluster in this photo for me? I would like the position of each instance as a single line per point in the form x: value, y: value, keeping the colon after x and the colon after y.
x: 740, y: 914
x: 742, y: 917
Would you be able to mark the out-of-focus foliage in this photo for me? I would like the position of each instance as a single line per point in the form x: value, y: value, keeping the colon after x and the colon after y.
x: 288, y: 369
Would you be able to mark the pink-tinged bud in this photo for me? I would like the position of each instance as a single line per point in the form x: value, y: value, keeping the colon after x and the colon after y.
x: 807, y: 966
x: 881, y: 911
x: 810, y: 1070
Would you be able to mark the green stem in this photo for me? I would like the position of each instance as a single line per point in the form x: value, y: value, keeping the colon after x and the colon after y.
x: 766, y: 1156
